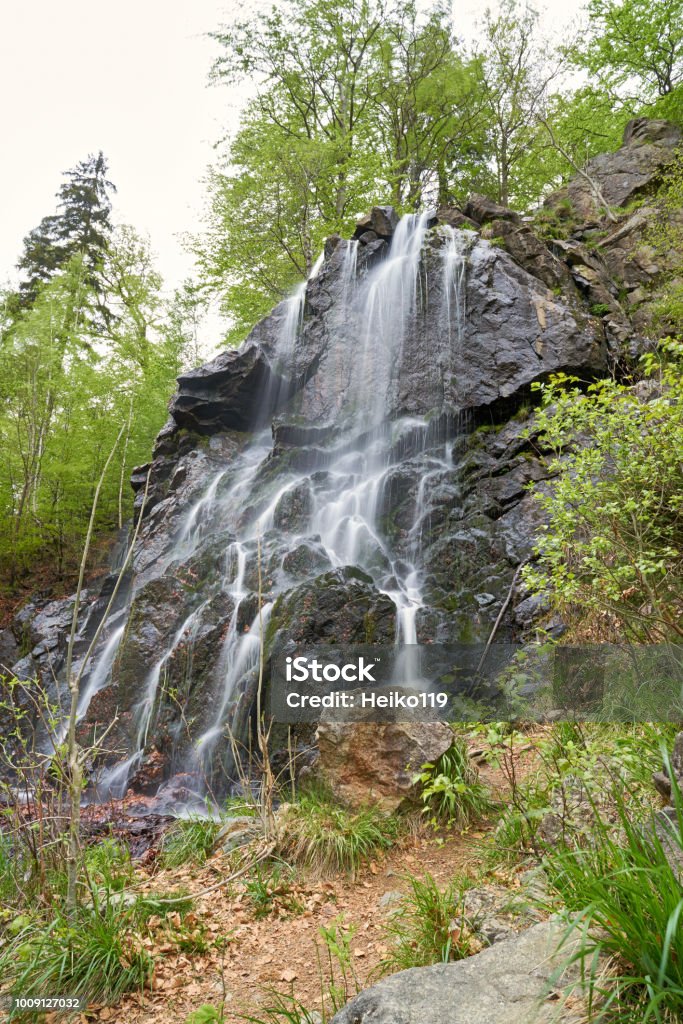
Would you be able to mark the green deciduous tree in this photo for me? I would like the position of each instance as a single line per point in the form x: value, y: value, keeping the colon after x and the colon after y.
x: 634, y: 48
x: 69, y: 383
x: 358, y: 102
x: 513, y: 76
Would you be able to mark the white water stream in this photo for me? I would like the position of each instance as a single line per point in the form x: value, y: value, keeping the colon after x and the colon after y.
x: 348, y: 491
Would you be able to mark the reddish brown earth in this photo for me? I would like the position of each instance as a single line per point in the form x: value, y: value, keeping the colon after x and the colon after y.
x: 284, y: 951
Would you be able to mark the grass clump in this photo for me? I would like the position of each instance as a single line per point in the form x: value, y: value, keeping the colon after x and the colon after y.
x: 451, y: 790
x: 108, y: 864
x: 624, y: 886
x: 273, y: 892
x: 429, y: 926
x: 190, y: 840
x: 319, y: 834
x: 96, y: 955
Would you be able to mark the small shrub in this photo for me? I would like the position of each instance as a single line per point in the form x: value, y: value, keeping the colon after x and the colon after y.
x: 429, y: 926
x: 319, y: 834
x: 450, y: 788
x: 206, y: 1014
x: 610, y: 552
x: 108, y: 864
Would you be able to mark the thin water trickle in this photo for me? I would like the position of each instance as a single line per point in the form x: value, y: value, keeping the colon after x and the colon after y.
x: 114, y: 782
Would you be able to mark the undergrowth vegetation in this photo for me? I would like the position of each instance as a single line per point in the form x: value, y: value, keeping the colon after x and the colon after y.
x: 624, y: 888
x: 96, y: 954
x: 610, y: 554
x: 429, y: 925
x: 319, y: 834
x: 450, y: 788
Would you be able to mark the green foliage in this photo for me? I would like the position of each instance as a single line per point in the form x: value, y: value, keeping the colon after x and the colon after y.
x: 612, y: 545
x: 450, y: 788
x: 108, y: 865
x: 206, y: 1014
x: 429, y: 926
x: 512, y: 78
x: 625, y: 890
x: 190, y: 840
x: 83, y: 359
x: 319, y: 834
x: 634, y: 48
x: 666, y: 234
x: 95, y: 956
x: 358, y: 103
x: 571, y: 781
x: 81, y: 227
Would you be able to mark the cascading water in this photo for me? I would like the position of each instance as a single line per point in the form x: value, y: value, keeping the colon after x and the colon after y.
x: 113, y: 783
x: 336, y: 502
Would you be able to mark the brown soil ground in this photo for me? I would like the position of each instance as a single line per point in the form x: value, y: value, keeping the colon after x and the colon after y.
x: 283, y: 951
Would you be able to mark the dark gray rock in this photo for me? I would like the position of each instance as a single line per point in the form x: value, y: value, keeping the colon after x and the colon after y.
x: 481, y: 209
x: 630, y: 172
x: 9, y: 650
x: 225, y: 394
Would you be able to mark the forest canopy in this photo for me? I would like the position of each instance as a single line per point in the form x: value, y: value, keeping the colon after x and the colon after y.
x: 373, y: 101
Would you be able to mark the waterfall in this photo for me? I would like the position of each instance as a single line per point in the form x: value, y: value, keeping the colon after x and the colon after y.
x: 388, y: 303
x: 340, y: 495
x: 453, y: 282
x: 97, y: 679
x: 113, y: 783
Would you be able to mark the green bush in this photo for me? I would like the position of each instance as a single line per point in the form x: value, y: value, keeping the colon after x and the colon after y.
x: 450, y: 788
x: 319, y: 834
x: 611, y: 550
x: 108, y: 864
x: 190, y: 840
x: 95, y: 956
x: 429, y: 926
x: 628, y: 900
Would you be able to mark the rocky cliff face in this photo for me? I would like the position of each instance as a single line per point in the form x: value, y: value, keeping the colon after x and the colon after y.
x: 366, y: 445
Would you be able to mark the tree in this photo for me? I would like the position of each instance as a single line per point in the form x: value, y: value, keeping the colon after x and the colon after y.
x: 316, y: 59
x: 513, y: 76
x: 82, y: 225
x: 427, y: 108
x: 634, y: 48
x: 68, y: 382
x: 359, y: 102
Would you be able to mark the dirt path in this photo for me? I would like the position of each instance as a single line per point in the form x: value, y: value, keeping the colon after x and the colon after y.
x: 281, y: 951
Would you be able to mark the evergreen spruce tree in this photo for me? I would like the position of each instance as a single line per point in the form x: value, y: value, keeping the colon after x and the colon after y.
x: 81, y: 226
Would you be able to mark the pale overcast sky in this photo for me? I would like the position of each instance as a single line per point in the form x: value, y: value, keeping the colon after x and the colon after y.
x: 129, y: 78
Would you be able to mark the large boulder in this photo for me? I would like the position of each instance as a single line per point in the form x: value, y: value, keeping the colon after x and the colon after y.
x: 366, y: 762
x: 225, y: 394
x: 630, y: 172
x: 516, y: 981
